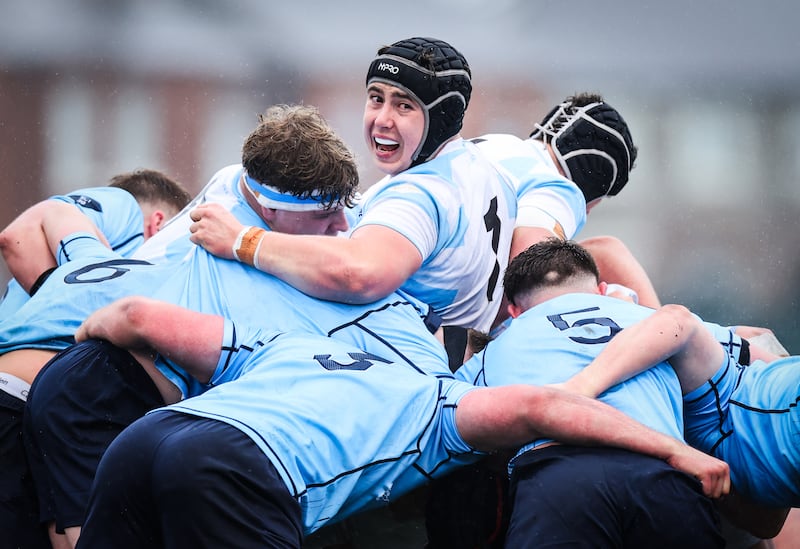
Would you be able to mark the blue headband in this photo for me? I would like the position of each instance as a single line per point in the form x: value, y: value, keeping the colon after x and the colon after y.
x: 270, y: 197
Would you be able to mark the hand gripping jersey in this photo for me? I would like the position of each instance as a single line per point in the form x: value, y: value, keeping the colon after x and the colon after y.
x: 346, y: 429
x: 556, y: 339
x: 459, y: 212
x: 545, y: 198
x: 116, y: 214
x: 172, y: 244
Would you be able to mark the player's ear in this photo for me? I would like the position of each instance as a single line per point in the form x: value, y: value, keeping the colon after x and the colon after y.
x: 602, y: 288
x: 153, y: 223
x: 514, y: 310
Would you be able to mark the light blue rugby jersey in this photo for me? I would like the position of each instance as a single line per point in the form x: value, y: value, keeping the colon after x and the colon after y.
x: 94, y: 277
x: 553, y: 341
x: 346, y: 429
x: 459, y: 212
x: 536, y: 179
x: 392, y: 326
x: 747, y: 416
x: 116, y: 214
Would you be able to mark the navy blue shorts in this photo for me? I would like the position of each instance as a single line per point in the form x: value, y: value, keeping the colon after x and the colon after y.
x: 564, y: 496
x: 80, y: 401
x: 19, y: 508
x: 173, y: 480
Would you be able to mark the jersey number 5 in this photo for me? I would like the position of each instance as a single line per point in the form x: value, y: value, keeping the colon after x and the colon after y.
x: 559, y: 322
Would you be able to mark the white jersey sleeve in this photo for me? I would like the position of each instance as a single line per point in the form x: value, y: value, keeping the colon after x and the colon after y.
x: 545, y: 198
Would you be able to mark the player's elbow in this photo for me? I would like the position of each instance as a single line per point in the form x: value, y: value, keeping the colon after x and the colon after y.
x: 136, y: 313
x: 5, y: 241
x: 362, y: 282
x: 681, y: 316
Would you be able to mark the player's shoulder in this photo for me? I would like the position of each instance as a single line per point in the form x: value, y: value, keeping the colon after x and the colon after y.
x: 491, y: 140
x: 98, y: 199
x: 227, y: 172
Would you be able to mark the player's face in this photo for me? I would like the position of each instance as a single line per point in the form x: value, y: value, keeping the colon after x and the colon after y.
x: 325, y: 222
x: 393, y: 127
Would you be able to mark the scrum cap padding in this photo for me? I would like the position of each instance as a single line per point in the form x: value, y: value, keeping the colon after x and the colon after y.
x: 593, y: 145
x: 436, y: 76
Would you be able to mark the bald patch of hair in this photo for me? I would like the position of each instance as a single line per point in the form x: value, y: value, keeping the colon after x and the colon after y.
x: 551, y: 262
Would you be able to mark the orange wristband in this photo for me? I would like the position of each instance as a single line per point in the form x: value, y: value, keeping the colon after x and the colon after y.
x: 247, y: 245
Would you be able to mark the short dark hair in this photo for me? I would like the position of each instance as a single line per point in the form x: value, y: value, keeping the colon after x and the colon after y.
x: 547, y: 263
x: 154, y: 187
x: 296, y: 151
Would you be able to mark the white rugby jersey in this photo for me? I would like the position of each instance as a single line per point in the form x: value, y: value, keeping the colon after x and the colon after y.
x: 172, y: 243
x: 459, y: 211
x: 544, y: 196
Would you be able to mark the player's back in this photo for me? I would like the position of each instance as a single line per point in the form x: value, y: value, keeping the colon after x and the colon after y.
x: 341, y: 425
x: 393, y: 326
x: 556, y: 339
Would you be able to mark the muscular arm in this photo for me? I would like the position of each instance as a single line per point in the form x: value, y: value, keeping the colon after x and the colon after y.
x: 29, y: 244
x: 617, y: 265
x: 502, y: 417
x: 140, y: 324
x: 671, y: 333
x: 371, y: 264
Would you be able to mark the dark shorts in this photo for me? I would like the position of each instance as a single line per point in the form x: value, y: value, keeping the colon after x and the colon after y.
x: 80, y: 401
x: 181, y: 481
x: 19, y: 515
x: 565, y: 496
x: 467, y: 508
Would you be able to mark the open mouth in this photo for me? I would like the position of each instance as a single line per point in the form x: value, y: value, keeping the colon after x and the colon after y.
x: 385, y: 145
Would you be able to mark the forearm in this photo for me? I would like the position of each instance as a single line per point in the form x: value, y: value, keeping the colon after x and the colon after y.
x: 617, y: 264
x: 325, y: 267
x: 510, y: 416
x: 369, y: 265
x: 634, y: 349
x: 191, y: 339
x: 499, y: 417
